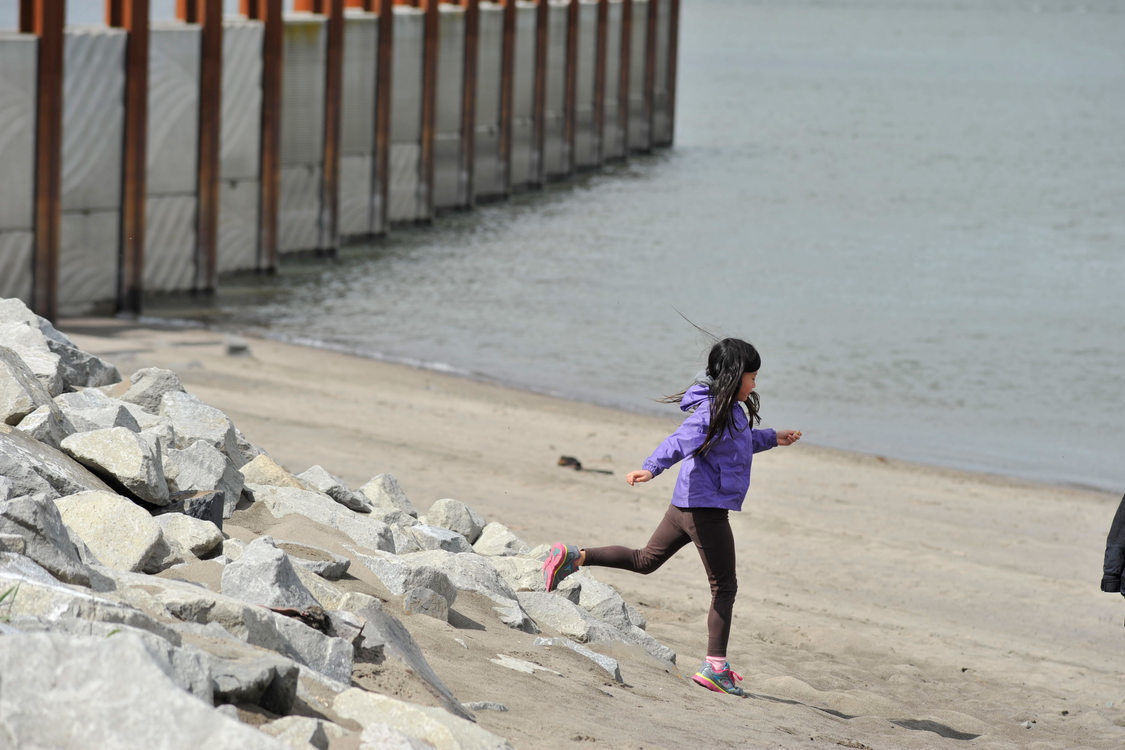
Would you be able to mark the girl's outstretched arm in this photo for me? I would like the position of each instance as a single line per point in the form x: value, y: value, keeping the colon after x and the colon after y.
x: 788, y: 437
x: 643, y: 475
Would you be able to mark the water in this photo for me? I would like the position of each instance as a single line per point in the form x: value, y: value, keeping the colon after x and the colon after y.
x: 916, y: 210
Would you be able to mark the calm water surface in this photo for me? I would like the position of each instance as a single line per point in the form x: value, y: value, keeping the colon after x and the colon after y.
x: 916, y: 210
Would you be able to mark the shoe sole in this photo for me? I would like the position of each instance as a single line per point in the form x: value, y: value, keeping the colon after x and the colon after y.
x: 702, y: 681
x: 551, y: 566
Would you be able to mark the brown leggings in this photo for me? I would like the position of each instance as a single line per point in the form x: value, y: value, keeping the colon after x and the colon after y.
x: 709, y: 530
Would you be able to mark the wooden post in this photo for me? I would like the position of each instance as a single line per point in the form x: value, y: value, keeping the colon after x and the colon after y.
x: 132, y: 15
x: 209, y: 15
x: 626, y: 64
x: 571, y: 73
x: 269, y: 12
x: 507, y: 94
x: 381, y: 176
x: 469, y: 103
x: 599, y: 81
x: 539, y: 123
x: 673, y: 46
x: 429, y: 109
x: 46, y: 19
x: 333, y: 91
x: 650, y: 71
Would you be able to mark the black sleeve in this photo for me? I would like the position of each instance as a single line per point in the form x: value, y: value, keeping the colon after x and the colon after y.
x: 1115, y: 553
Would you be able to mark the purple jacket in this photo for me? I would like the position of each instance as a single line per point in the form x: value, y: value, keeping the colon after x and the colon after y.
x: 721, y: 478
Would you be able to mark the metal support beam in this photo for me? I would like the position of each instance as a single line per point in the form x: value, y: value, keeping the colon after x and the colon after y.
x: 571, y: 79
x: 269, y: 12
x: 429, y: 109
x: 626, y: 64
x: 381, y: 175
x: 650, y: 72
x: 132, y: 15
x: 507, y: 94
x: 673, y: 48
x: 467, y: 190
x: 600, y: 53
x: 46, y: 19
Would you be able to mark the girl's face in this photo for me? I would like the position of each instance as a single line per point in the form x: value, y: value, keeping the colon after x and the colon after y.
x: 749, y: 380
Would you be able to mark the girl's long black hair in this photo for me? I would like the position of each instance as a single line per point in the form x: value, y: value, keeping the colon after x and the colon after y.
x: 728, y: 360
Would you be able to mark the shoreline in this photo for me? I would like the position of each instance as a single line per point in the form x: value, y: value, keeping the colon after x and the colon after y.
x: 442, y: 368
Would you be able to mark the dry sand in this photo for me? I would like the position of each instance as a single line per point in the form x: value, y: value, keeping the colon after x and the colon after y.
x: 882, y: 604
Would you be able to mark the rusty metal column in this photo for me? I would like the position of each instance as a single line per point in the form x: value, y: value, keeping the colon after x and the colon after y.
x: 381, y: 175
x: 269, y: 12
x: 507, y: 93
x: 209, y: 15
x: 132, y: 15
x: 46, y: 19
x: 571, y: 78
x: 650, y: 71
x: 673, y: 46
x: 469, y: 103
x: 601, y: 48
x: 429, y: 109
x: 539, y: 124
x: 626, y: 64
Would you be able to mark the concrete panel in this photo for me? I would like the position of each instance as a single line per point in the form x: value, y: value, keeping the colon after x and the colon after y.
x: 521, y: 153
x: 240, y: 155
x: 406, y: 91
x: 15, y: 264
x: 88, y: 247
x: 355, y: 195
x: 357, y: 110
x: 447, y: 170
x: 613, y: 147
x: 451, y: 68
x: 638, y: 122
x: 238, y: 225
x: 302, y: 89
x: 555, y: 154
x: 299, y: 213
x: 169, y: 243
x: 93, y: 118
x: 486, y: 171
x: 662, y: 115
x: 402, y: 205
x: 585, y: 144
x: 173, y: 109
x: 19, y: 63
x: 489, y: 61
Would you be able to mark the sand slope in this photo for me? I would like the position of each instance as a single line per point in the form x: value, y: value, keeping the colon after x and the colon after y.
x: 881, y: 604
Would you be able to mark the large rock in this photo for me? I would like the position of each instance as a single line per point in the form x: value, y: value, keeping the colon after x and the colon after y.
x: 521, y: 573
x: 36, y: 520
x: 148, y: 386
x: 71, y: 691
x: 20, y: 391
x: 435, y: 537
x: 324, y: 563
x: 471, y: 572
x: 201, y: 467
x: 564, y: 616
x: 47, y: 424
x: 430, y: 724
x: 456, y: 516
x: 54, y: 358
x: 264, y: 470
x: 195, y: 420
x: 123, y: 457
x: 264, y: 575
x: 399, y: 575
x: 362, y: 529
x: 190, y: 534
x: 498, y: 540
x: 320, y: 480
x: 119, y: 532
x: 607, y: 663
x: 38, y: 469
x: 602, y: 601
x: 384, y: 492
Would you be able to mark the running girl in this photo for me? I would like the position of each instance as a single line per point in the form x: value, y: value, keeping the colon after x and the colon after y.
x: 716, y: 443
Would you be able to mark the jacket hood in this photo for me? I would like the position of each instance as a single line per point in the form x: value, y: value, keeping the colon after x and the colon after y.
x: 699, y: 391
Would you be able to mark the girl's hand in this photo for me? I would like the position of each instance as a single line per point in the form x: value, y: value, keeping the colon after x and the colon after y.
x: 788, y: 437
x: 638, y: 476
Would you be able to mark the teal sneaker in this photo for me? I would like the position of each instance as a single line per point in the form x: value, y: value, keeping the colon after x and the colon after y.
x: 721, y: 682
x: 561, y: 561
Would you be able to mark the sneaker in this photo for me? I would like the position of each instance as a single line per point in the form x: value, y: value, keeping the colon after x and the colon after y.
x: 561, y: 561
x: 720, y: 682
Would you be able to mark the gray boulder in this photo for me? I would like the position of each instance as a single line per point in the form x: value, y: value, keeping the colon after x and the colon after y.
x: 47, y: 424
x: 120, y: 533
x: 521, y: 573
x: 148, y: 386
x: 320, y: 480
x: 201, y: 467
x: 123, y: 456
x: 20, y: 391
x: 498, y: 540
x: 384, y: 492
x: 423, y: 601
x: 101, y: 418
x: 190, y: 534
x: 564, y: 616
x: 363, y: 530
x: 471, y: 572
x: 72, y: 688
x: 264, y: 470
x: 434, y: 537
x: 430, y: 724
x: 264, y: 575
x: 324, y: 563
x: 400, y: 575
x: 607, y: 663
x: 456, y: 516
x: 195, y: 420
x: 62, y: 363
x: 36, y: 520
x: 38, y: 469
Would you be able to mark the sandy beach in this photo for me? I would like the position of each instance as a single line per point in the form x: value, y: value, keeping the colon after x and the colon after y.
x: 881, y: 605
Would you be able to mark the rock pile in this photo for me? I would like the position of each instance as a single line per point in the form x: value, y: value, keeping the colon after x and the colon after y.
x: 107, y: 488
